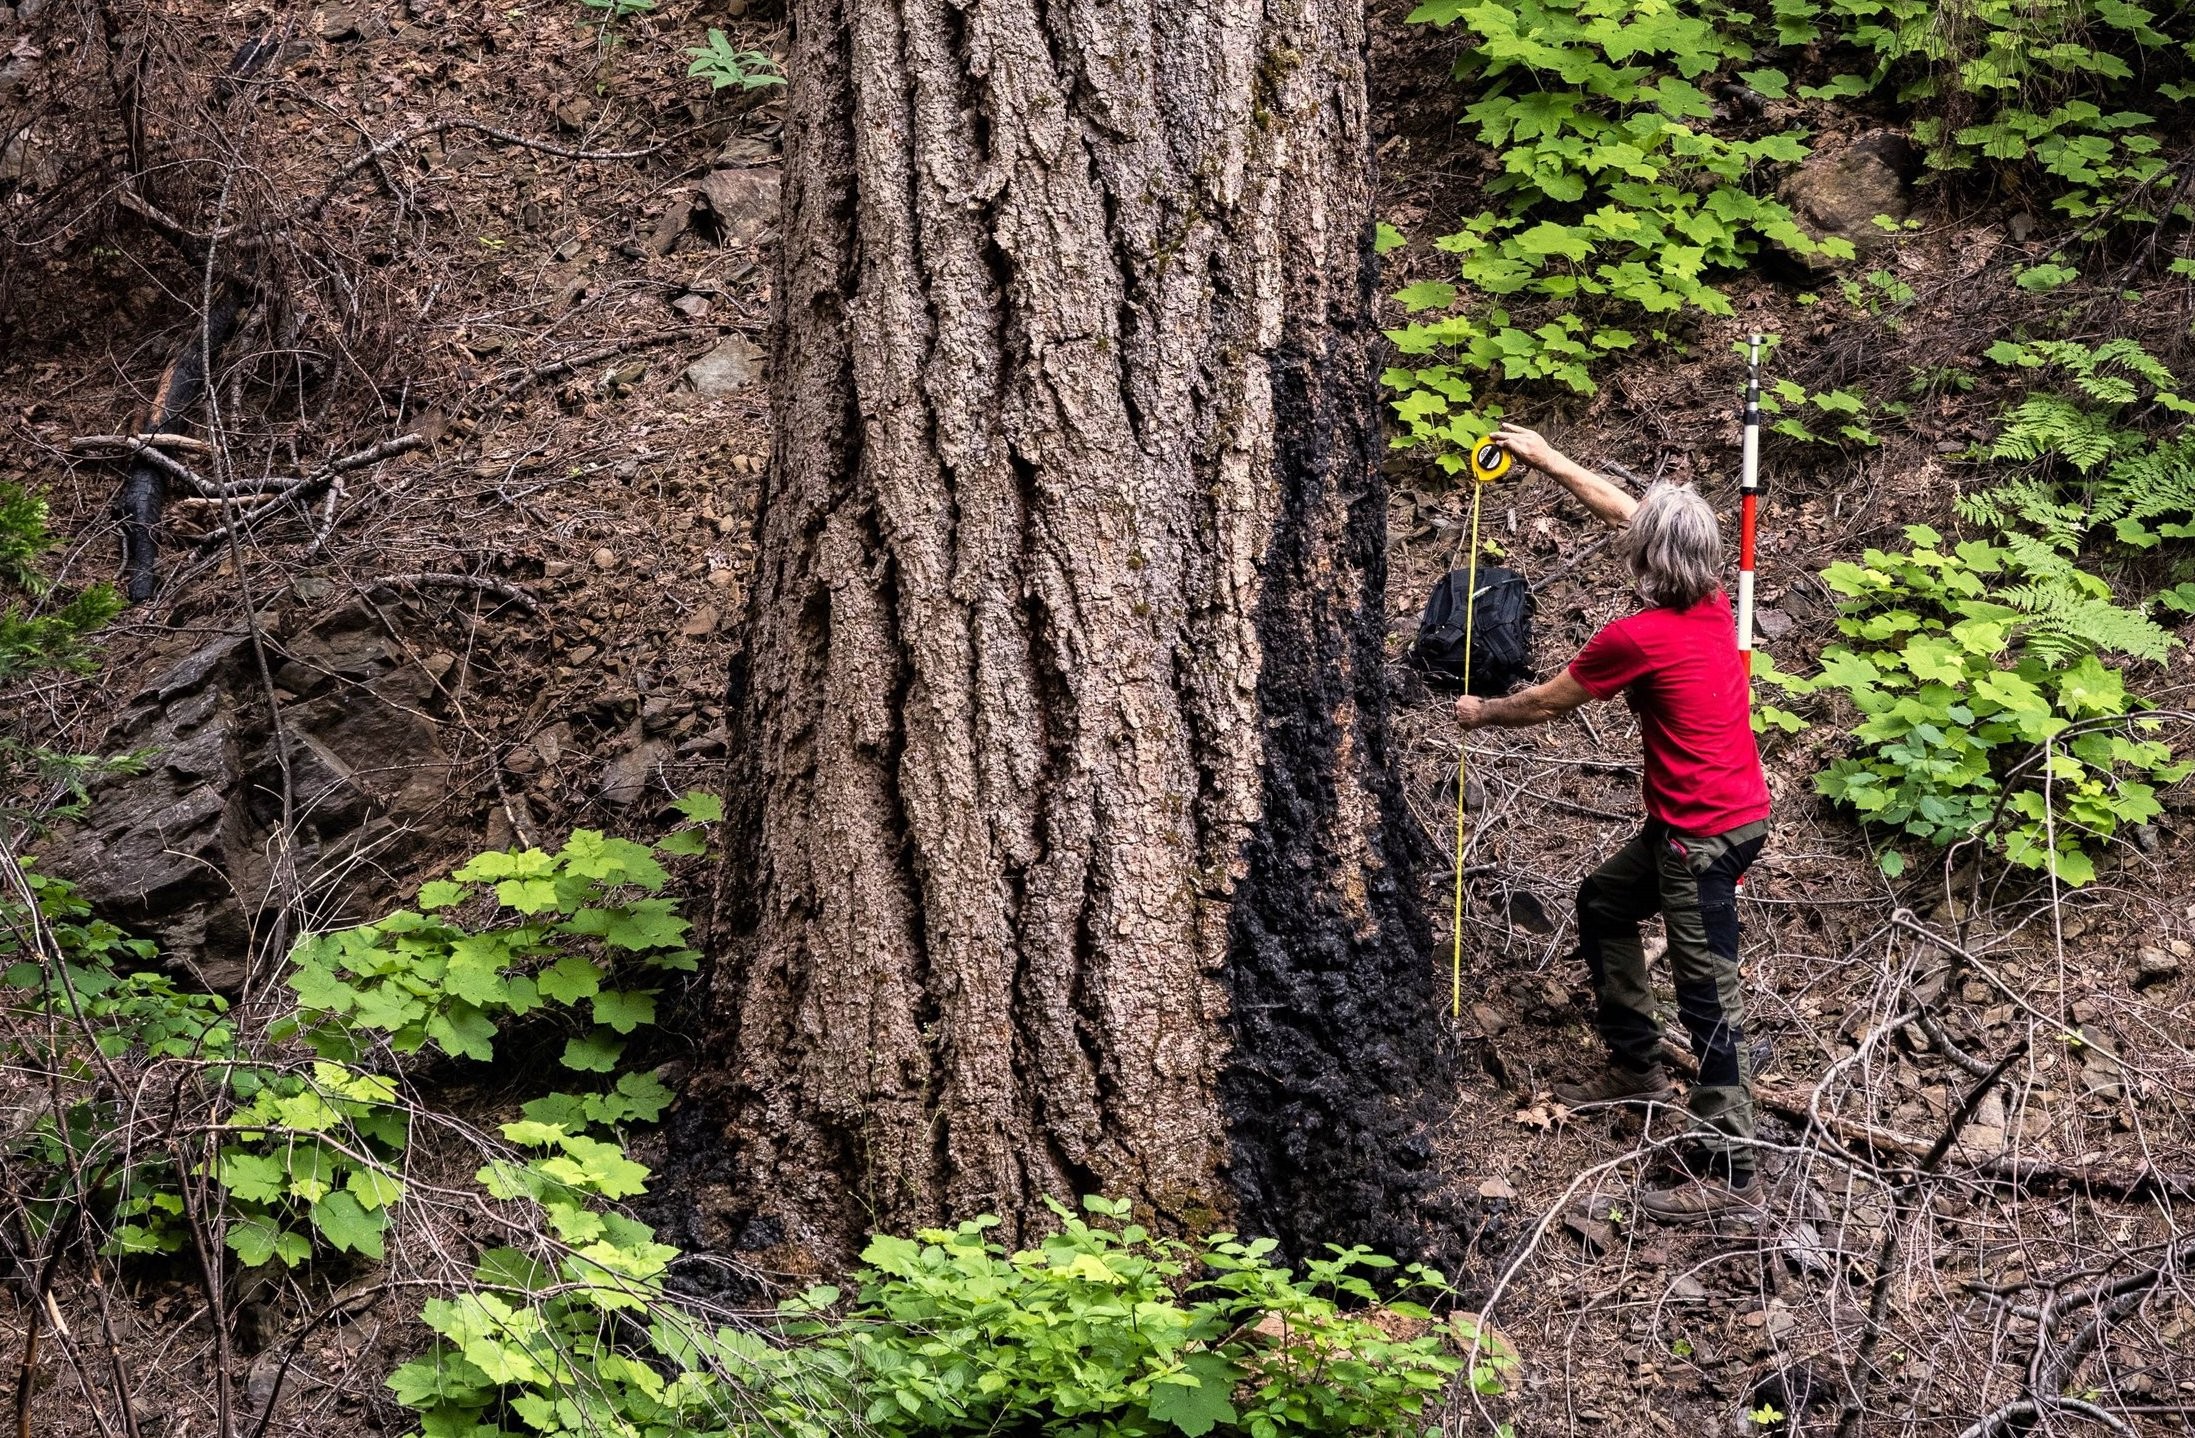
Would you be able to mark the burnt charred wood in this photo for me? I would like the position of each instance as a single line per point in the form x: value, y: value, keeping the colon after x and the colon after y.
x: 144, y: 493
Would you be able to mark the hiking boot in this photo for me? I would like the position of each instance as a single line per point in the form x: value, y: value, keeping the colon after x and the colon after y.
x: 1704, y: 1200
x: 1618, y: 1085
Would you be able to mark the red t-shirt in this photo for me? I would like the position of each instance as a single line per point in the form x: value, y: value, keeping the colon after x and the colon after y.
x: 1686, y: 682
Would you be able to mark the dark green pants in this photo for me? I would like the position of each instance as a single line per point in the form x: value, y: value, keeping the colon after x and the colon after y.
x: 1691, y: 881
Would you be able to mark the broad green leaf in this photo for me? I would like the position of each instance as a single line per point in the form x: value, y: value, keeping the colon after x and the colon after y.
x: 569, y: 980
x: 374, y: 1189
x: 594, y: 1052
x: 1549, y: 238
x: 440, y: 894
x: 1426, y: 295
x: 624, y: 1011
x: 344, y: 1222
x: 253, y: 1178
x: 252, y: 1239
x: 463, y: 1030
x: 534, y: 1134
x: 1198, y: 1399
x: 528, y: 896
x: 2089, y: 688
x: 318, y: 988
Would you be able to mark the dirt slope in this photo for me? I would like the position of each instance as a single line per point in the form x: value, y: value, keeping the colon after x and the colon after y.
x: 580, y: 517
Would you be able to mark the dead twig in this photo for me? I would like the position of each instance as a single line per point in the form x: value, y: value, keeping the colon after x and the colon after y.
x: 481, y: 582
x: 374, y: 154
x: 135, y: 442
x: 1886, y: 1254
x: 555, y: 369
x: 2146, y: 1180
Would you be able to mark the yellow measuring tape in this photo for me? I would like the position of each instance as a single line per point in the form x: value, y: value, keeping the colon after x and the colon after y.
x: 1489, y: 462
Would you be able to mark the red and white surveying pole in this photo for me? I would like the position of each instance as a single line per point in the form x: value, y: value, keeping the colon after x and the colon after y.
x: 1749, y: 489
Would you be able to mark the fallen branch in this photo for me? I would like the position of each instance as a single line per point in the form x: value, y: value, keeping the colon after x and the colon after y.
x: 312, y: 208
x: 285, y: 487
x: 481, y: 582
x: 2142, y: 1181
x: 135, y: 442
x: 557, y: 368
x: 2027, y: 1409
x: 1886, y: 1253
x: 144, y: 489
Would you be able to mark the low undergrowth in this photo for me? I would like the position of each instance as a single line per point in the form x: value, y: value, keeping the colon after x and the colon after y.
x: 1639, y: 148
x: 292, y: 1143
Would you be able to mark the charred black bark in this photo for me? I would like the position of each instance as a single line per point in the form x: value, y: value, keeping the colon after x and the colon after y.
x: 1340, y: 1063
x: 144, y: 492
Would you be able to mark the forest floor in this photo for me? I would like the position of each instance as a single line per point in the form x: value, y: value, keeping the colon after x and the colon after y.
x: 542, y: 312
x: 1626, y: 1327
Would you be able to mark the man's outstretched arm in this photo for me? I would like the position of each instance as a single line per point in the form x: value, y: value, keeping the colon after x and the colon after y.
x: 1603, y: 496
x: 1536, y: 705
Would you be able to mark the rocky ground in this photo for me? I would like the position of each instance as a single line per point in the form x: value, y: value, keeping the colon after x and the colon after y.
x: 525, y: 624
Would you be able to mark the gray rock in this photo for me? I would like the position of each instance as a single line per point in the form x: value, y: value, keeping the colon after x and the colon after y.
x: 2155, y: 966
x: 192, y: 672
x: 1528, y: 913
x: 1840, y: 193
x: 183, y: 852
x: 2101, y: 1075
x: 731, y: 366
x: 744, y: 151
x: 742, y: 204
x: 626, y: 778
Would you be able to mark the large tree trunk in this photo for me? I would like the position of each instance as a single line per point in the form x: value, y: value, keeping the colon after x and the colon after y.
x: 1070, y: 856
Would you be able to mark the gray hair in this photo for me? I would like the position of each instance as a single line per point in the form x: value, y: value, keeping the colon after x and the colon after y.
x: 1674, y: 546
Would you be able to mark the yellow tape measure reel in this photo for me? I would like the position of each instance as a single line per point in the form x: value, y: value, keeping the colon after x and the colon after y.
x: 1489, y: 461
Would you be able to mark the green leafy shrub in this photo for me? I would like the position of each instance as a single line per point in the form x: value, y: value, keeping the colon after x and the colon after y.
x: 310, y: 1150
x: 1616, y: 203
x: 1842, y: 414
x: 576, y: 1340
x: 69, y: 1005
x: 41, y: 638
x: 40, y: 635
x: 726, y: 66
x: 1102, y: 1328
x: 1624, y: 189
x: 310, y: 1154
x: 2030, y: 85
x: 1113, y: 1329
x: 559, y: 929
x: 1962, y: 663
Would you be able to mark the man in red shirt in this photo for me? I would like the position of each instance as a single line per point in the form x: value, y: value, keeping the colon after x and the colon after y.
x: 1677, y: 664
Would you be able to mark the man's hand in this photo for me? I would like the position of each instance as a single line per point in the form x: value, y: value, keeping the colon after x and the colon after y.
x: 1606, y: 499
x: 1528, y: 445
x: 1536, y: 705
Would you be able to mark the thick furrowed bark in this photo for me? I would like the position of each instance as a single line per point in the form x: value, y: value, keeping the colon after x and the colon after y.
x: 1063, y: 707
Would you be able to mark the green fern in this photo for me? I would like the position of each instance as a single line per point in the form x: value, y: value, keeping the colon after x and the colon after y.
x: 2030, y: 501
x: 2062, y: 626
x: 2067, y: 612
x: 2142, y: 487
x: 2149, y: 495
x: 2047, y: 425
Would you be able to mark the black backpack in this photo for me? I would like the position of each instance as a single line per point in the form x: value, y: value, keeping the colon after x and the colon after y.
x: 1501, y: 632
